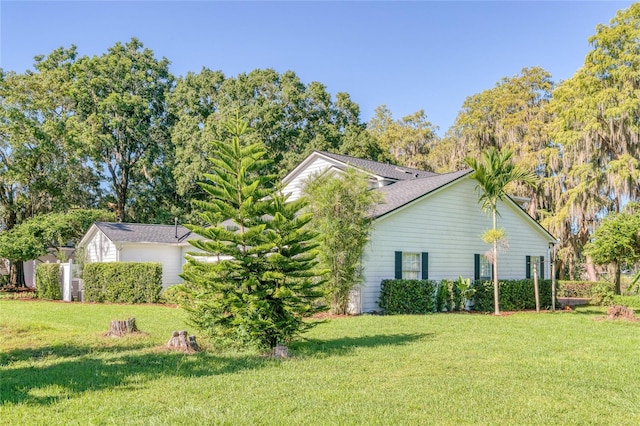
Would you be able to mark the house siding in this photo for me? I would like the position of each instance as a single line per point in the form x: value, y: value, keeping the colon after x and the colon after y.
x: 296, y: 185
x: 100, y: 249
x: 170, y: 256
x: 448, y: 225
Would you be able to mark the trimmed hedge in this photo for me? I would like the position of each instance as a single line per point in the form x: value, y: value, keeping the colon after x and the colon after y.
x: 407, y: 296
x: 515, y: 295
x: 579, y: 288
x: 48, y: 283
x: 122, y: 282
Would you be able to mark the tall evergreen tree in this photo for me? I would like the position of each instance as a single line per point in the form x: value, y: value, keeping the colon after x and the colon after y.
x: 265, y: 282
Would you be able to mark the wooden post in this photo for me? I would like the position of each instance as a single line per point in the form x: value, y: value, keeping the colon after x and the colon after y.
x: 552, y: 269
x: 535, y: 284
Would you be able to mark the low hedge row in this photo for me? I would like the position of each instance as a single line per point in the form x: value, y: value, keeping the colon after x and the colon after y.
x: 122, y: 282
x: 579, y: 288
x: 514, y: 295
x: 48, y: 283
x: 407, y: 296
x: 426, y: 296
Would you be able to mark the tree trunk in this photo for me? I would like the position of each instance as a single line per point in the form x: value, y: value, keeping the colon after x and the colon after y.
x: 16, y: 274
x: 617, y: 278
x: 119, y: 328
x: 591, y: 270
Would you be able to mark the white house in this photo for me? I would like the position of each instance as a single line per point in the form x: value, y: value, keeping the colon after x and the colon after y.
x: 134, y: 242
x: 429, y: 226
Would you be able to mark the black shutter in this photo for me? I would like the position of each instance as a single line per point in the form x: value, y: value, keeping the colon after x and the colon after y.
x: 542, y: 267
x: 398, y: 265
x: 425, y: 266
x: 492, y: 271
x: 476, y: 265
x: 527, y: 270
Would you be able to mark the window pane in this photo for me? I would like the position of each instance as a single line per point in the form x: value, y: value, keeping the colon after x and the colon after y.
x: 410, y: 266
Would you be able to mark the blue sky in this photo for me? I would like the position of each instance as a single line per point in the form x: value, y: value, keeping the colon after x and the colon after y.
x: 408, y: 55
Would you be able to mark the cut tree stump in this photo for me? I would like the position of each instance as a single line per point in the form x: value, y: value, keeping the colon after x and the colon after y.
x: 280, y: 351
x: 621, y: 312
x: 181, y: 341
x: 119, y: 328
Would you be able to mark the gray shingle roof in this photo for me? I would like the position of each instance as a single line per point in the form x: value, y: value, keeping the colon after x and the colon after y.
x: 143, y: 233
x: 398, y: 194
x: 390, y: 171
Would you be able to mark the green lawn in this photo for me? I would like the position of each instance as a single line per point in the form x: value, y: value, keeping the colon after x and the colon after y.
x: 562, y: 368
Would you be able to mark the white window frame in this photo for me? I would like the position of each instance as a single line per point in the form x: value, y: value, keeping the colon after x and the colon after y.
x: 485, y: 268
x: 411, y: 265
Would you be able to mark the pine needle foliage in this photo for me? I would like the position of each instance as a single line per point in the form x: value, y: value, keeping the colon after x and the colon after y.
x: 265, y: 281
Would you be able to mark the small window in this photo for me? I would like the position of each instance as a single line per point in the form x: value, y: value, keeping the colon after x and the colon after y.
x: 536, y: 262
x: 410, y: 266
x: 485, y: 269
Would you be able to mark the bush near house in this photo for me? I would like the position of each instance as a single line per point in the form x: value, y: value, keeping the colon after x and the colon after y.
x: 123, y: 282
x: 408, y: 296
x: 48, y: 285
x: 515, y: 295
x: 580, y: 288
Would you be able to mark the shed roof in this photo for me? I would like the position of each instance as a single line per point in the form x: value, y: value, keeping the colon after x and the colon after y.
x: 145, y: 233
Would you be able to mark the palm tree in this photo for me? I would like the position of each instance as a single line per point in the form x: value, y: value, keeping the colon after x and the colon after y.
x: 494, y: 172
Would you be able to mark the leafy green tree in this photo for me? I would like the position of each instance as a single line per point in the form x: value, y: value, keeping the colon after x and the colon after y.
x: 291, y: 119
x: 617, y: 241
x: 341, y: 207
x: 265, y: 282
x: 494, y: 172
x: 40, y: 170
x: 407, y: 141
x: 43, y: 234
x: 596, y: 124
x: 122, y: 117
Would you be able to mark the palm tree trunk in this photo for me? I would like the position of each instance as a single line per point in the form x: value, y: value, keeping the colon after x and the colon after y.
x: 495, y: 269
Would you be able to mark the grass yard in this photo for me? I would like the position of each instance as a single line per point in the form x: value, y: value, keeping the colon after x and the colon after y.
x: 562, y: 368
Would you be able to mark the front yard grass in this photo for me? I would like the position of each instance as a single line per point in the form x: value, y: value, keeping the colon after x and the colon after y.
x: 562, y: 368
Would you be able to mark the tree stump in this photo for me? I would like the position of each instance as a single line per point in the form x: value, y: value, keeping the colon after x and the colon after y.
x: 280, y: 351
x: 181, y: 341
x: 621, y: 312
x: 119, y: 328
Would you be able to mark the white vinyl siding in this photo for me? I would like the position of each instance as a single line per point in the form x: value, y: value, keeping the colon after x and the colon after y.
x: 296, y: 185
x: 448, y: 224
x: 100, y: 249
x: 170, y: 256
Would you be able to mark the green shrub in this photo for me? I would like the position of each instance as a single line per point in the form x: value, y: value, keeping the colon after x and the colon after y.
x: 578, y: 288
x: 442, y: 296
x: 177, y: 295
x: 602, y: 295
x: 48, y: 282
x: 630, y: 301
x: 454, y: 298
x: 122, y: 282
x: 514, y: 295
x: 407, y: 296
